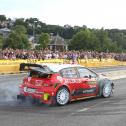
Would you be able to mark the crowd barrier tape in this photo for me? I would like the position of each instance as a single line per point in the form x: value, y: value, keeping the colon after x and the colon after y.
x: 12, y: 66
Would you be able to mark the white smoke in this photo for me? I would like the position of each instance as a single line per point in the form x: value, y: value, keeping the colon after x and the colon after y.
x: 9, y: 89
x: 8, y: 92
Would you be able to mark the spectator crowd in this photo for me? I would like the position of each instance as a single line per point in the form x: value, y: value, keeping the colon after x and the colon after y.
x: 48, y: 54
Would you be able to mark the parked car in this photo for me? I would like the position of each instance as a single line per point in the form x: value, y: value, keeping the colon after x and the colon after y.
x: 62, y: 83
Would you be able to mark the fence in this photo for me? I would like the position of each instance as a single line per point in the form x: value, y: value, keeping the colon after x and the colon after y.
x: 12, y: 66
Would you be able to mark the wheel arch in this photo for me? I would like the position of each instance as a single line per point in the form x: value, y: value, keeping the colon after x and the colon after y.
x: 106, y: 82
x: 64, y: 86
x: 101, y: 85
x: 60, y: 88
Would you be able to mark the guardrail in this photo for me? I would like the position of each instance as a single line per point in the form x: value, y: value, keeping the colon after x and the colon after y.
x: 12, y: 66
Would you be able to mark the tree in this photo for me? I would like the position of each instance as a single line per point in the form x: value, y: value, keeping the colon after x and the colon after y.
x: 43, y: 40
x: 17, y: 39
x: 2, y: 21
x: 104, y: 40
x: 20, y: 21
x: 2, y: 18
x: 13, y: 41
x: 34, y: 24
x: 20, y: 29
x: 67, y: 33
x: 84, y: 39
x: 1, y: 41
x: 25, y: 42
x: 113, y: 47
x: 94, y: 43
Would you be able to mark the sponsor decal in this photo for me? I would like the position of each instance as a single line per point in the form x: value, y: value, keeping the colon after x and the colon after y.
x: 29, y: 78
x: 29, y: 90
x: 80, y: 81
x: 83, y: 91
x: 92, y: 90
x: 73, y: 80
x: 38, y: 82
x: 59, y: 78
x: 92, y: 86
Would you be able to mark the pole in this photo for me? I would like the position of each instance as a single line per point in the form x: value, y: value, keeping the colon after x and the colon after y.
x: 34, y: 32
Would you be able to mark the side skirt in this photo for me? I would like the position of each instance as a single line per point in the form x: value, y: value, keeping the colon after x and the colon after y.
x: 76, y: 99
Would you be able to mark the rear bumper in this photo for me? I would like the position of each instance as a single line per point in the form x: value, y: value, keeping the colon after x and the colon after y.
x: 45, y: 95
x: 47, y: 100
x: 27, y: 98
x: 21, y: 97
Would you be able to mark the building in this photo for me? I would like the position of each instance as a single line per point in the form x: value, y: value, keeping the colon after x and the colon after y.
x: 5, y: 32
x: 57, y: 43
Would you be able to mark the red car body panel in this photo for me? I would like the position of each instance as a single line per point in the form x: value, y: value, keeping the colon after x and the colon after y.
x: 47, y: 85
x: 43, y: 84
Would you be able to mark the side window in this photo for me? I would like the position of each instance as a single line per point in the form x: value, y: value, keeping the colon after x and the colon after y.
x: 83, y: 72
x: 69, y: 73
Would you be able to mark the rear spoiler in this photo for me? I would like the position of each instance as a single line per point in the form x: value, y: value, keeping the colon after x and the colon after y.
x: 27, y: 66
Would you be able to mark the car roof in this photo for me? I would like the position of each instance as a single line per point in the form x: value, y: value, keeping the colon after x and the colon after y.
x: 57, y: 67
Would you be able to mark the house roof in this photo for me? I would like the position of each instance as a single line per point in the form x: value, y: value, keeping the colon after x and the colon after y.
x: 5, y: 30
x: 57, y: 40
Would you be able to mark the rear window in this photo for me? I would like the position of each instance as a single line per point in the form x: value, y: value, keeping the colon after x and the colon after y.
x: 38, y: 74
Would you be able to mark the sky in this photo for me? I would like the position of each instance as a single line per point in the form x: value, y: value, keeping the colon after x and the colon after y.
x: 108, y: 14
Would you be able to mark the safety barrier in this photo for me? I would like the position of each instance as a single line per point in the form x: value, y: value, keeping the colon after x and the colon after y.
x: 12, y: 66
x: 102, y: 63
x: 8, y: 62
x: 9, y: 68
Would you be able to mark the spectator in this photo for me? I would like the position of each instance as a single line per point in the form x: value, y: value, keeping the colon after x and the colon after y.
x: 48, y: 54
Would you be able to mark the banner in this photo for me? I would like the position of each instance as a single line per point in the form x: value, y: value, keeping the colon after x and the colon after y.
x: 12, y: 66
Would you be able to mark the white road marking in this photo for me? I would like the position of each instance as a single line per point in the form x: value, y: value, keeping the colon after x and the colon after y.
x: 82, y: 110
x: 87, y: 108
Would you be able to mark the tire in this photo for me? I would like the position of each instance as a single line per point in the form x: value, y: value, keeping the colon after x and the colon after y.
x: 62, y: 96
x: 106, y: 90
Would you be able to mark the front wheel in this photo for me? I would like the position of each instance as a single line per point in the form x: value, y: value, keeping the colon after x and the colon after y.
x: 107, y: 90
x: 62, y: 96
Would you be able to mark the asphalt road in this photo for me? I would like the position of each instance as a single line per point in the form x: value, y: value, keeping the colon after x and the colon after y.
x: 91, y: 112
x: 105, y: 69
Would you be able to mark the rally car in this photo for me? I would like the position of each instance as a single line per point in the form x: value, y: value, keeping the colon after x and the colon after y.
x: 62, y: 83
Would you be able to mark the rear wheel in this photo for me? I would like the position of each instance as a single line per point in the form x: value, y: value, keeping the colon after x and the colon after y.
x: 62, y: 96
x: 107, y: 90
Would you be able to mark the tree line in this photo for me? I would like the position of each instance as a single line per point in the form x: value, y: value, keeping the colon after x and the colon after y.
x: 78, y: 38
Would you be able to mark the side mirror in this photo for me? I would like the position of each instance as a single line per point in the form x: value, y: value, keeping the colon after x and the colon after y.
x: 90, y: 76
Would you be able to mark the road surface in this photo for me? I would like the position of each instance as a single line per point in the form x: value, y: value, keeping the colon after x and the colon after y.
x: 91, y: 112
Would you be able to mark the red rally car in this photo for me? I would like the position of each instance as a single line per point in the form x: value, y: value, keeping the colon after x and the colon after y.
x: 62, y: 83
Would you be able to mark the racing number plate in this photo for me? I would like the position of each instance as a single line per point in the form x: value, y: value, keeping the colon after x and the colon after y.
x: 30, y: 90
